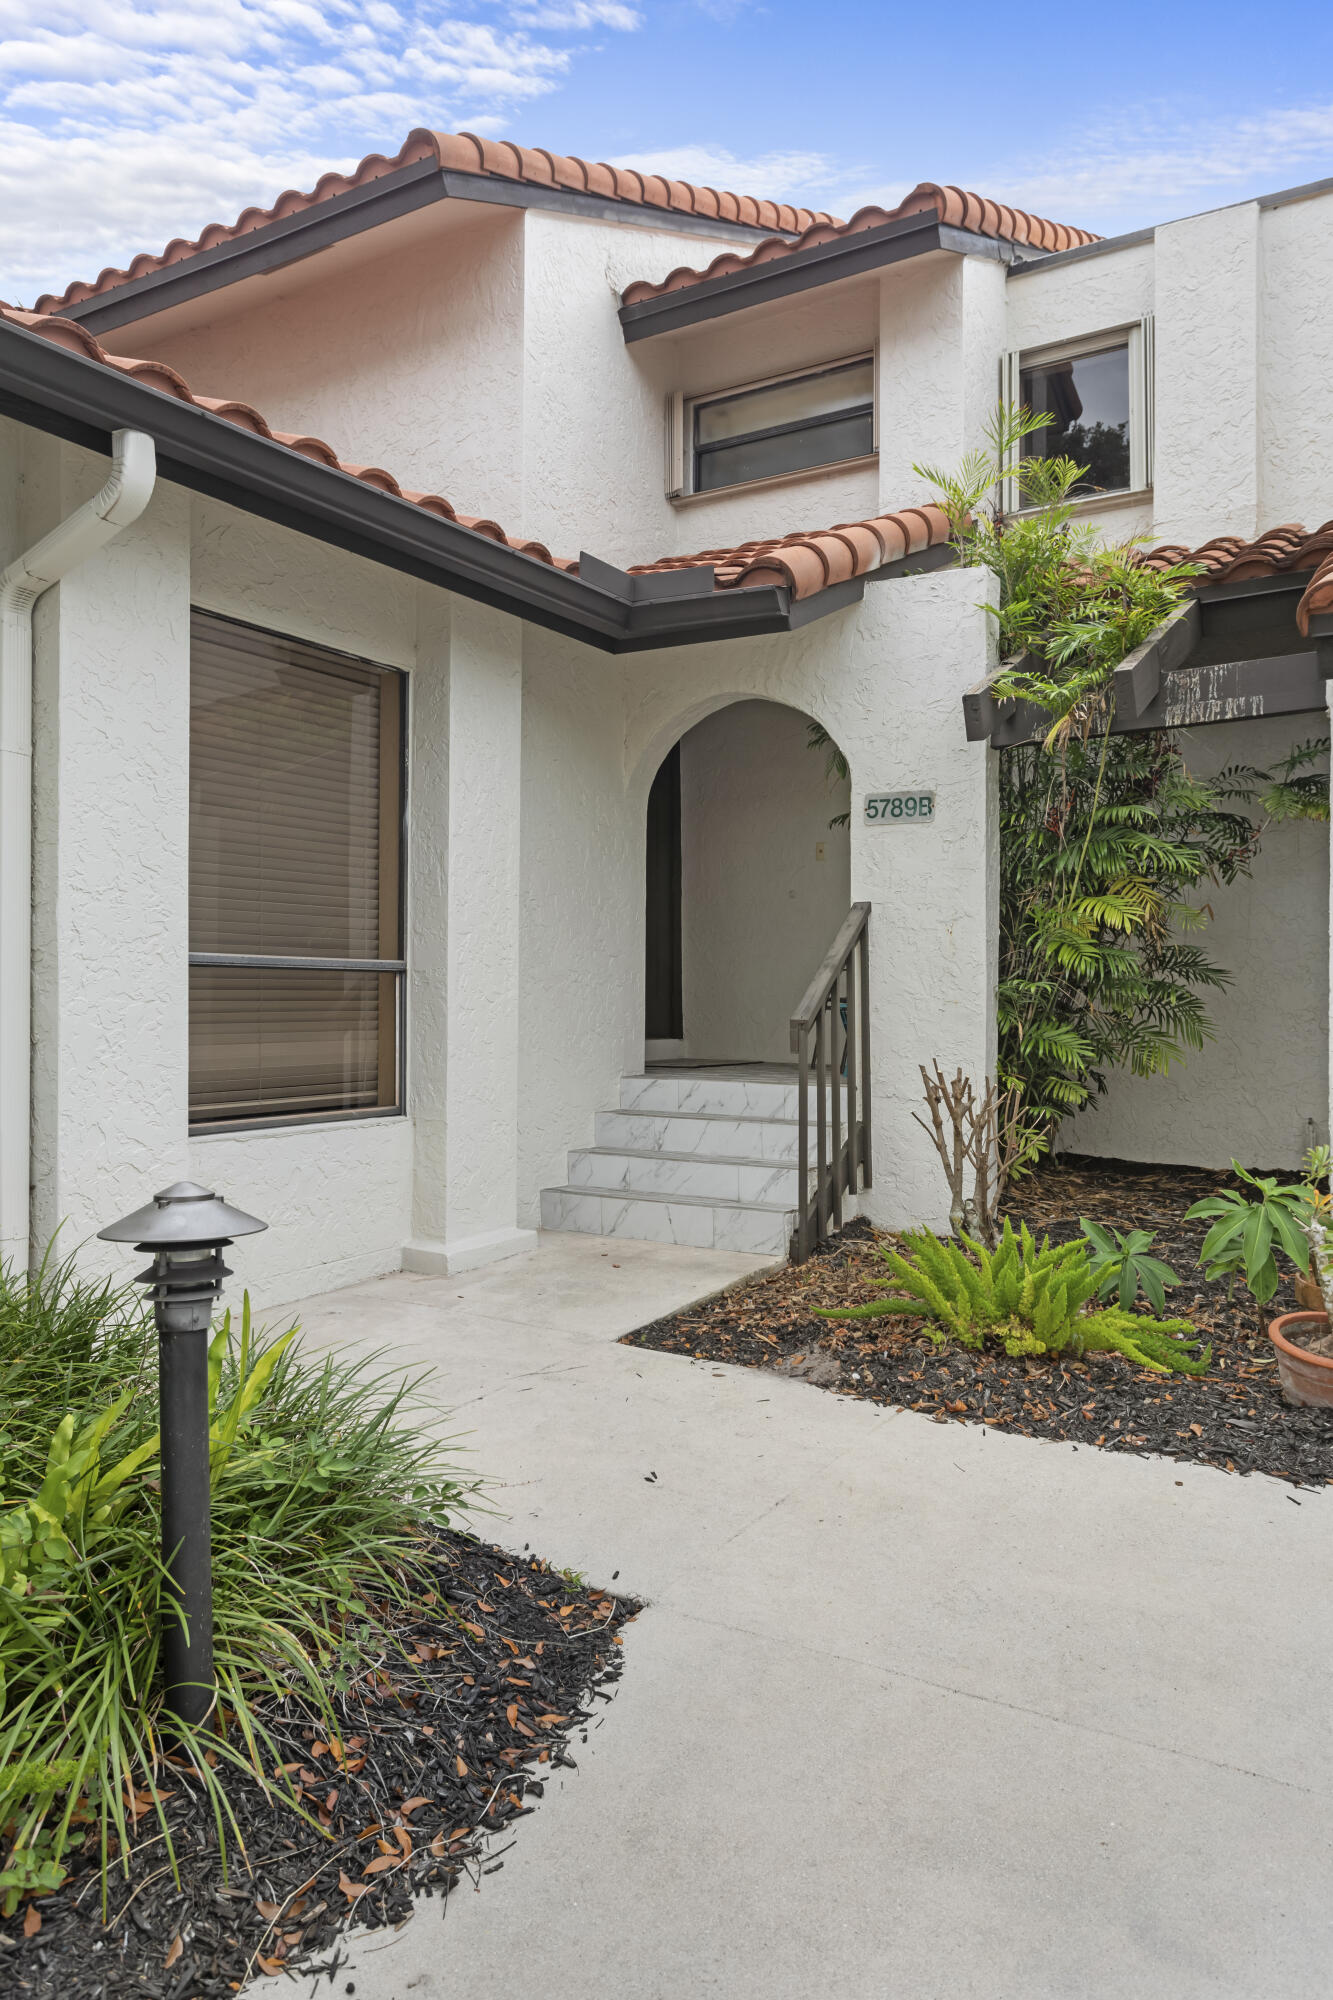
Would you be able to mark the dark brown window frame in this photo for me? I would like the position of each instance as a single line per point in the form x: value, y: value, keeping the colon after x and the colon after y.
x: 394, y: 686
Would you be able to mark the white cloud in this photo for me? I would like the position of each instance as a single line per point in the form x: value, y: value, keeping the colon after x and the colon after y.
x: 1148, y: 166
x: 122, y: 124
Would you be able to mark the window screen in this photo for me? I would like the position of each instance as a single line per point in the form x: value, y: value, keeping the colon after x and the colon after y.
x: 295, y: 932
x: 1088, y: 397
x: 784, y: 426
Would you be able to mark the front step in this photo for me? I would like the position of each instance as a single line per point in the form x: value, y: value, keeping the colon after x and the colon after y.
x: 704, y: 1160
x: 748, y: 1227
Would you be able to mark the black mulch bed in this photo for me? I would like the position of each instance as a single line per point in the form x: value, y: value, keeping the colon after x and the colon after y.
x: 437, y: 1750
x: 1233, y: 1418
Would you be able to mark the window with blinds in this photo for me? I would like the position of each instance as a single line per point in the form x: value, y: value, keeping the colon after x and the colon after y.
x: 295, y: 869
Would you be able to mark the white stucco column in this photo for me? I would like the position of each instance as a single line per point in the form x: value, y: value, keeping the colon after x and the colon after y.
x: 942, y: 331
x: 934, y: 889
x: 464, y: 926
x: 1206, y: 452
x: 110, y: 891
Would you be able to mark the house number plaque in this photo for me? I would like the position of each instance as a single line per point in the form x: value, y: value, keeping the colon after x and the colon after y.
x: 899, y: 808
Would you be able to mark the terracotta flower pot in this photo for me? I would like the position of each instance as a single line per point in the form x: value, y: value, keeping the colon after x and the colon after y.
x: 1309, y: 1298
x: 1305, y: 1377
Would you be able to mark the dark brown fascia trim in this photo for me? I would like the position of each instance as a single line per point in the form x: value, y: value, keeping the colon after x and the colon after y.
x: 294, y: 237
x: 69, y: 396
x: 821, y: 264
x: 1040, y: 260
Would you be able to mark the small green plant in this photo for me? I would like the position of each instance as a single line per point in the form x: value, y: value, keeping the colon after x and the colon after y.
x: 1120, y: 1263
x: 1031, y: 1300
x: 1247, y: 1229
x: 322, y: 1505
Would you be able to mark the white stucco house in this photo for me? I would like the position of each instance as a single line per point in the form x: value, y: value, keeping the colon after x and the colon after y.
x: 406, y: 831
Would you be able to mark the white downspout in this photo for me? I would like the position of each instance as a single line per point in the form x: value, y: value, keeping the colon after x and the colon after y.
x: 121, y: 501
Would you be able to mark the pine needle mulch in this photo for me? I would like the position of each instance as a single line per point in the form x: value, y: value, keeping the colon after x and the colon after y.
x: 440, y: 1747
x: 1233, y: 1418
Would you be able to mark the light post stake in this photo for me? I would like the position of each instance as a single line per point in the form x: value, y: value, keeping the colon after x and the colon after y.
x: 185, y: 1230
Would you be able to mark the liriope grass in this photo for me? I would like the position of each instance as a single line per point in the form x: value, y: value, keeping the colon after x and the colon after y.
x: 323, y: 1495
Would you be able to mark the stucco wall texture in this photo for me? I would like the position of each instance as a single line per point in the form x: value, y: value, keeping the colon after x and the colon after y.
x: 765, y: 880
x: 480, y: 356
x: 1259, y: 1090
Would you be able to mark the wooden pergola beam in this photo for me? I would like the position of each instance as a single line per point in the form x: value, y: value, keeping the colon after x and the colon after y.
x: 1184, y: 698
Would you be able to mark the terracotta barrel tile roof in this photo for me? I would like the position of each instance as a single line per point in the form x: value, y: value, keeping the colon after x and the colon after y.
x: 808, y: 562
x: 157, y: 375
x: 951, y: 204
x: 804, y: 563
x: 464, y: 152
x: 1289, y: 549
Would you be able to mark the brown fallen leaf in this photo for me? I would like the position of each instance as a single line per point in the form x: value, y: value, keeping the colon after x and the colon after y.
x: 410, y: 1805
x: 350, y: 1888
x: 268, y: 1965
x: 460, y: 1767
x: 511, y: 1713
x: 268, y: 1911
x: 32, y: 1921
x: 380, y: 1862
x: 174, y: 1950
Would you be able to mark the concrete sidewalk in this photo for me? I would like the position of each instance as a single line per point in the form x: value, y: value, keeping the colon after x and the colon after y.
x: 914, y: 1710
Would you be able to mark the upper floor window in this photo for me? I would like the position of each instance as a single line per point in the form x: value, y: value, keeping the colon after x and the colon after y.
x: 295, y: 868
x: 1098, y: 393
x: 792, y: 423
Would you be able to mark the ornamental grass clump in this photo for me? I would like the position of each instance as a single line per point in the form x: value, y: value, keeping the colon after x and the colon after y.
x: 323, y: 1503
x: 1029, y: 1300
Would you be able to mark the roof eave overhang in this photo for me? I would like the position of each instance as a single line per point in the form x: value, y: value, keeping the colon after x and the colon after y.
x: 802, y: 270
x: 70, y: 396
x: 292, y: 238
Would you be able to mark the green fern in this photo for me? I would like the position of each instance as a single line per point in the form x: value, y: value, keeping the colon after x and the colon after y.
x: 1027, y: 1298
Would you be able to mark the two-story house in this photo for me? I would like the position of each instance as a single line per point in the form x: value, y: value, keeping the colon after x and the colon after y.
x: 409, y: 821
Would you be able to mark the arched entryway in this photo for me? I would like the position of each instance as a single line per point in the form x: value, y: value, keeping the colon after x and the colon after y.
x: 748, y: 880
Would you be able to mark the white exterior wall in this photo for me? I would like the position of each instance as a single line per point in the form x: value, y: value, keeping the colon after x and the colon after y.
x: 765, y: 881
x: 885, y: 679
x: 336, y: 1196
x: 411, y: 360
x: 1207, y: 447
x: 1252, y: 1093
x: 1296, y: 362
x: 111, y: 800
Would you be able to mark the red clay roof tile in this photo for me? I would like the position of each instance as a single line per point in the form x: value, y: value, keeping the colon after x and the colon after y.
x: 1289, y: 549
x: 951, y: 204
x: 463, y: 152
x: 805, y: 562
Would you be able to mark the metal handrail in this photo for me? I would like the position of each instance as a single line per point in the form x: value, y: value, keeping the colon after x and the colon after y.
x: 830, y: 1038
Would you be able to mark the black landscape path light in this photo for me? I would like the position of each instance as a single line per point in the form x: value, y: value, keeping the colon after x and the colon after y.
x: 185, y: 1230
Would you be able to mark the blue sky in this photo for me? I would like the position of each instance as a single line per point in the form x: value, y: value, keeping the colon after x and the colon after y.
x: 124, y: 123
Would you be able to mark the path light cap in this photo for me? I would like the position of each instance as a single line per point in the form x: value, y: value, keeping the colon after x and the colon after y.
x: 184, y: 1216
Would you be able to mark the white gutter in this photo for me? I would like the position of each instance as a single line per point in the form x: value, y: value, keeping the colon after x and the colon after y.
x: 121, y: 501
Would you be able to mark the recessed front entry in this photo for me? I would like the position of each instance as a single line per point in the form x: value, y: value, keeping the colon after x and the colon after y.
x: 748, y: 879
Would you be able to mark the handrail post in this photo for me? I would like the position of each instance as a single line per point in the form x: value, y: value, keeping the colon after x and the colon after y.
x: 865, y: 1052
x: 803, y: 1243
x: 822, y: 1047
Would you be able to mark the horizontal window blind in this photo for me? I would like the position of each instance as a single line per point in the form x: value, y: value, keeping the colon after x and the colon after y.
x: 295, y: 806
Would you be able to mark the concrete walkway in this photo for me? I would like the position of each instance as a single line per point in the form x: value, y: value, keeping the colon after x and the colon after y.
x: 915, y: 1710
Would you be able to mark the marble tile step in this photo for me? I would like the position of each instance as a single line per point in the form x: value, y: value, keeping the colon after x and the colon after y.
x: 705, y: 1225
x: 691, y: 1132
x: 708, y: 1178
x: 713, y: 1096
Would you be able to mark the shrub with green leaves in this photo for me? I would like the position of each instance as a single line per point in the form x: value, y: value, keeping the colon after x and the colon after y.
x: 322, y: 1495
x: 1031, y: 1300
x: 1247, y: 1229
x: 1120, y: 1263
